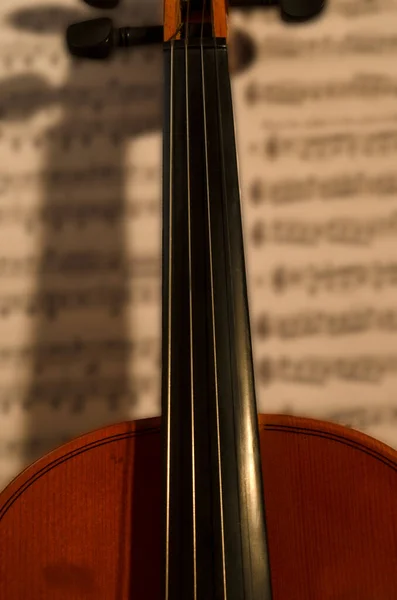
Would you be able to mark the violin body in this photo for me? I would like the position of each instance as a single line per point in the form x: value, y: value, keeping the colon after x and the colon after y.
x: 84, y: 522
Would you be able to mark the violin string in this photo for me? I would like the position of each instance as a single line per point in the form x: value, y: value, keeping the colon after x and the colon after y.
x: 170, y: 248
x: 190, y: 305
x: 214, y: 341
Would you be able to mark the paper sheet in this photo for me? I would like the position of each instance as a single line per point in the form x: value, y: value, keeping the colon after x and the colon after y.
x: 80, y: 230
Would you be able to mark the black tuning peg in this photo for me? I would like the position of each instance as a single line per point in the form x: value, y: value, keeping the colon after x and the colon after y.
x: 301, y: 10
x: 97, y: 38
x: 291, y: 10
x: 102, y: 3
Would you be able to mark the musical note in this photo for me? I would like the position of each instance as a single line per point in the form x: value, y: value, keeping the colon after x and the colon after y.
x: 314, y: 323
x: 326, y: 146
x: 61, y: 215
x: 75, y: 395
x: 342, y: 186
x: 320, y: 370
x: 294, y: 92
x: 289, y: 46
x: 79, y: 264
x: 83, y: 350
x: 78, y: 180
x: 51, y: 304
x: 330, y: 278
x: 348, y: 231
x: 23, y: 95
x: 315, y: 122
x: 350, y: 9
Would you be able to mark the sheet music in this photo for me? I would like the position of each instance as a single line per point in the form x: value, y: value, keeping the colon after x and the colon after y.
x: 80, y: 229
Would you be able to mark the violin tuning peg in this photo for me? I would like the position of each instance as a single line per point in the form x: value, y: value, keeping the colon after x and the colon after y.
x: 97, y: 38
x: 301, y: 10
x: 91, y: 39
x: 291, y: 10
x: 102, y: 3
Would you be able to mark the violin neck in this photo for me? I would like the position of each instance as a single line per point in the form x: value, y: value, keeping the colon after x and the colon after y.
x: 215, y: 544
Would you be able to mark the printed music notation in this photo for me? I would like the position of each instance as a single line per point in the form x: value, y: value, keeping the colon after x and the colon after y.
x: 80, y: 223
x: 289, y: 47
x: 83, y: 136
x: 347, y: 231
x: 75, y: 395
x: 314, y: 323
x: 79, y: 264
x: 317, y: 162
x: 370, y: 86
x: 17, y: 100
x: 330, y: 278
x: 85, y: 352
x: 329, y: 145
x: 320, y: 370
x: 50, y: 304
x: 314, y: 122
x: 349, y: 9
x: 76, y: 180
x: 361, y: 418
x: 61, y: 215
x: 342, y: 186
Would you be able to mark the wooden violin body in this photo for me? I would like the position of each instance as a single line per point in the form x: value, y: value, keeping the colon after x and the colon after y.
x: 331, y: 515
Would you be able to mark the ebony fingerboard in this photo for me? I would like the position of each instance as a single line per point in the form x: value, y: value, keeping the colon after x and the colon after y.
x: 214, y: 527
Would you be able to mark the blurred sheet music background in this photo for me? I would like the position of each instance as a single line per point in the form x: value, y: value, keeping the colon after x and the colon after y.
x: 80, y: 229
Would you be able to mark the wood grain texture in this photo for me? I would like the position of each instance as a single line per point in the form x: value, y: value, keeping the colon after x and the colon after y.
x: 171, y: 19
x: 66, y: 523
x: 219, y: 11
x: 331, y: 509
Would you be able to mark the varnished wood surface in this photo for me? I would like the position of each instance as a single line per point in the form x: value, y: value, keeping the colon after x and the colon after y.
x: 67, y: 521
x: 331, y: 506
x: 219, y: 18
x: 171, y: 19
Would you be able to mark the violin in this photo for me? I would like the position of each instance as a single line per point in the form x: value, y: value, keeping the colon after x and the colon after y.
x: 211, y: 501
